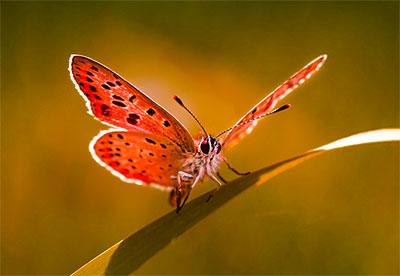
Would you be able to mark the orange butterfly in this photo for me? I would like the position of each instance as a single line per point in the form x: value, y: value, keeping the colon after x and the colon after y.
x: 149, y: 146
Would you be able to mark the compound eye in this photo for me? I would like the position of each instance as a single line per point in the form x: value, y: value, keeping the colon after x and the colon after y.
x: 205, y: 147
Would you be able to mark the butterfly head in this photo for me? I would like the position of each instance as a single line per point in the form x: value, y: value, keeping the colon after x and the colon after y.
x: 209, y: 145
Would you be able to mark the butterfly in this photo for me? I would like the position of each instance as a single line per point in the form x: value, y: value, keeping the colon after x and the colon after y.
x: 147, y: 145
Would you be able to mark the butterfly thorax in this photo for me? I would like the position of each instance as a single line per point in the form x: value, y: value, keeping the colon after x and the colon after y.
x: 206, y: 160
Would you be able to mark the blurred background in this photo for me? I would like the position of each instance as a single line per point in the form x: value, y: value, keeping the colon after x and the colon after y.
x: 335, y: 214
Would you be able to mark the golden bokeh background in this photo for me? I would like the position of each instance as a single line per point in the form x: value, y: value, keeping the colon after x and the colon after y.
x: 335, y: 214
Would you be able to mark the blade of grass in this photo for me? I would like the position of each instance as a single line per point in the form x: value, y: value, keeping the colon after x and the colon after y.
x: 129, y: 254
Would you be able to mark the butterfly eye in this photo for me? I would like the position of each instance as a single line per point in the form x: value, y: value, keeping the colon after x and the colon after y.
x: 205, y: 147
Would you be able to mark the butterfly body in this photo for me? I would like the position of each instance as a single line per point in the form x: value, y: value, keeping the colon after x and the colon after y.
x: 205, y: 162
x: 146, y: 144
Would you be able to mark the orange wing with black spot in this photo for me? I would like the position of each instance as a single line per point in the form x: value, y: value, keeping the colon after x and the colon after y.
x: 137, y: 157
x: 269, y: 102
x: 116, y: 102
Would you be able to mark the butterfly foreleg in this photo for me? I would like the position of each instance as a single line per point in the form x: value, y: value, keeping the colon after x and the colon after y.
x: 233, y: 169
x: 216, y: 189
x: 222, y: 179
x: 184, y: 177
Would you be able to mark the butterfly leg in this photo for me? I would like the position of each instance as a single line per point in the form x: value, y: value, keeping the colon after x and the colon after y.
x: 233, y: 169
x: 222, y: 179
x: 216, y: 189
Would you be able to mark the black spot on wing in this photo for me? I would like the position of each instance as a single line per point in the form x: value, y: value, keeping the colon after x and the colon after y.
x: 118, y: 98
x: 150, y: 111
x: 105, y: 86
x: 133, y: 118
x: 150, y: 141
x: 105, y: 110
x: 119, y: 103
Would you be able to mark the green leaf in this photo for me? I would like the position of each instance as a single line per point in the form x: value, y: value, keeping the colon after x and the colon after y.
x: 129, y: 254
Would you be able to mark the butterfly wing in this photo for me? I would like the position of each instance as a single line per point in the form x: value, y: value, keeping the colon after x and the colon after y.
x: 116, y: 102
x: 137, y: 157
x: 269, y: 102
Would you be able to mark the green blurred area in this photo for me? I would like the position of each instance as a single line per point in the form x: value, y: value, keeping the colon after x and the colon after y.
x: 337, y: 214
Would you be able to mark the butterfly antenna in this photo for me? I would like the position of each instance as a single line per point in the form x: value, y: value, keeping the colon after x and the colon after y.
x: 283, y: 107
x: 179, y: 101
